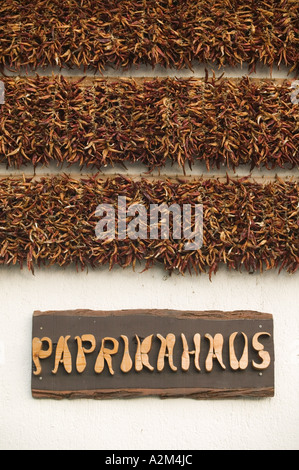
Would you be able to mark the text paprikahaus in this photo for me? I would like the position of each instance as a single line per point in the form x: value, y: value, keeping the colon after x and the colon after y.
x: 168, y: 353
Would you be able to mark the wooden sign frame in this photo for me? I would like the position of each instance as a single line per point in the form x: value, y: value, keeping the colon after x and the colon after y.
x: 165, y: 353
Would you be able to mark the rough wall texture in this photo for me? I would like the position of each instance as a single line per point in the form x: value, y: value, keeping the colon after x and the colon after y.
x: 145, y: 423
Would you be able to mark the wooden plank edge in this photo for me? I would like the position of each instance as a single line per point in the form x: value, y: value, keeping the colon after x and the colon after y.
x: 193, y: 393
x: 206, y: 314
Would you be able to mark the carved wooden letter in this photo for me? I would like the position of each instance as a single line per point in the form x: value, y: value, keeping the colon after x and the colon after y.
x: 243, y: 362
x: 39, y: 353
x: 105, y: 355
x: 185, y: 360
x: 215, y: 352
x: 264, y: 355
x: 126, y: 363
x: 63, y: 355
x: 141, y: 357
x: 81, y: 360
x: 166, y: 343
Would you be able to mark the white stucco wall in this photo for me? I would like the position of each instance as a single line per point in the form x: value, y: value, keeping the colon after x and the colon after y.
x: 146, y: 423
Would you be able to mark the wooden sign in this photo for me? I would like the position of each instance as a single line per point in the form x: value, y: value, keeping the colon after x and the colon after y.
x: 168, y: 353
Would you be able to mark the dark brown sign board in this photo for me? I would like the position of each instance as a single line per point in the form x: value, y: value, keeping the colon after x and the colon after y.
x: 167, y: 353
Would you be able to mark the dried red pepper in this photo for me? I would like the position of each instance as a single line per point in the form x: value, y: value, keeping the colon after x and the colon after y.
x: 99, y: 122
x: 171, y: 33
x: 246, y: 225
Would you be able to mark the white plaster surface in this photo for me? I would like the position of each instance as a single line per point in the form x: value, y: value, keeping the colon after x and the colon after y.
x: 146, y: 423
